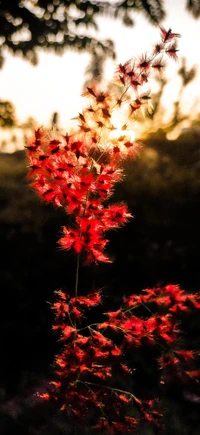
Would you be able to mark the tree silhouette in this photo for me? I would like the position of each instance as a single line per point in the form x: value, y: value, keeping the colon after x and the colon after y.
x: 59, y: 24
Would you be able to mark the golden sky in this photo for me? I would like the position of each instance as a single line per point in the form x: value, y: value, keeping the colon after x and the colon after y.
x: 56, y: 83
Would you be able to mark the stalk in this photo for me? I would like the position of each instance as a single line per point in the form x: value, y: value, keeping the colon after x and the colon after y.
x: 77, y: 275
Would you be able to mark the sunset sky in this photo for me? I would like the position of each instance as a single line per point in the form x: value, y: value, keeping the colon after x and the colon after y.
x: 56, y: 83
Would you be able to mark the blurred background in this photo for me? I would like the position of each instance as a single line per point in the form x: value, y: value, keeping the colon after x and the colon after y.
x: 49, y: 52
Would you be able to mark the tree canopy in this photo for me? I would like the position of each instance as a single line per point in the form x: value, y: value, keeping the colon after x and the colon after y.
x: 59, y: 24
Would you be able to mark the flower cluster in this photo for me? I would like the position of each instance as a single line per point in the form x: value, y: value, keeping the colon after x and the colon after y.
x: 78, y: 171
x: 94, y: 359
x: 68, y: 171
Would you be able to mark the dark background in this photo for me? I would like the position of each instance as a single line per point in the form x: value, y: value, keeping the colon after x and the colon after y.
x: 159, y: 246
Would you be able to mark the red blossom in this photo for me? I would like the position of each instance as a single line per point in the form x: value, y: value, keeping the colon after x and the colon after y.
x: 71, y: 240
x: 171, y: 50
x: 78, y: 171
x: 67, y: 331
x: 167, y: 35
x: 89, y: 301
x: 144, y: 62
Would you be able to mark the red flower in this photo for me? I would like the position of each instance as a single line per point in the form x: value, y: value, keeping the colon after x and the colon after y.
x: 78, y: 171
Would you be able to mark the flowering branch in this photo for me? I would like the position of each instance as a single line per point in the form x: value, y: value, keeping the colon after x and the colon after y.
x: 78, y: 172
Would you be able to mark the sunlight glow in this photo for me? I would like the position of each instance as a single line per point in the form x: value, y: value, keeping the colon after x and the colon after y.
x: 55, y: 85
x: 121, y: 132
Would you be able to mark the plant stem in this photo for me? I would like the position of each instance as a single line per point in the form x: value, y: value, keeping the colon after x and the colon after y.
x: 76, y: 280
x: 77, y: 275
x: 118, y: 390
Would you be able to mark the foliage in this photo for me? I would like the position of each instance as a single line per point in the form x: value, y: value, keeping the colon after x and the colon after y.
x: 78, y: 172
x: 56, y: 25
x: 7, y: 114
x: 193, y: 6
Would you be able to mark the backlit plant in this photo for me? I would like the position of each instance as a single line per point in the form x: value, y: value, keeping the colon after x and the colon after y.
x: 78, y: 172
